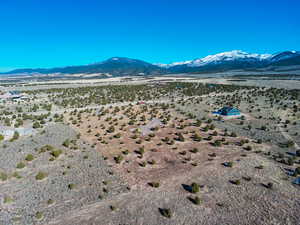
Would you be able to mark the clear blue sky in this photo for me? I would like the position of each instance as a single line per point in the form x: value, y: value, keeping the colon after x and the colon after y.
x: 50, y: 33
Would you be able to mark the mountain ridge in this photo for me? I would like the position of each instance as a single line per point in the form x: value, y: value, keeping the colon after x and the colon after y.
x: 225, y: 61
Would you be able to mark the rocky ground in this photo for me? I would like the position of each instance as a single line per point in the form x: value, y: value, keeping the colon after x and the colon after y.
x: 75, y: 169
x: 221, y: 201
x: 76, y: 178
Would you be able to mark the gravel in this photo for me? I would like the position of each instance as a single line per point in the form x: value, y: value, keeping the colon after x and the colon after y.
x: 85, y: 168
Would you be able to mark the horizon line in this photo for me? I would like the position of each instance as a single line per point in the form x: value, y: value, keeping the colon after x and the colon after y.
x: 9, y: 69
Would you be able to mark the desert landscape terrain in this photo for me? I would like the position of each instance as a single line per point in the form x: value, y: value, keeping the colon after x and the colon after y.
x: 150, y: 151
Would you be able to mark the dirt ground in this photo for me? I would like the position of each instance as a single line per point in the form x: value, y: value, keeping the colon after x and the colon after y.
x: 136, y: 155
x: 176, y: 167
x: 221, y: 201
x: 169, y: 158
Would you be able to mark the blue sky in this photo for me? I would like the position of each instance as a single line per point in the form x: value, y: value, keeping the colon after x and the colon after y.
x: 50, y: 33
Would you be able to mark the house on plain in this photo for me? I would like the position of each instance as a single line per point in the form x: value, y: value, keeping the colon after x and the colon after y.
x: 228, y: 111
x: 297, y: 181
x: 12, y: 95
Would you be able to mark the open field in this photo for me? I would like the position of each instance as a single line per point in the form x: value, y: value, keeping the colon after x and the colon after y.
x: 150, y: 151
x: 286, y: 81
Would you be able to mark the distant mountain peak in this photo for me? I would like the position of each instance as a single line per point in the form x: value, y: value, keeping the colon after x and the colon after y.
x: 224, y: 61
x: 116, y: 58
x: 218, y: 58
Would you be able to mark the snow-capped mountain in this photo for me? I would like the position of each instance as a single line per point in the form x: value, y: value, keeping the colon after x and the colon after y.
x: 172, y: 64
x: 229, y: 56
x: 221, y: 57
x: 226, y: 61
x: 236, y: 59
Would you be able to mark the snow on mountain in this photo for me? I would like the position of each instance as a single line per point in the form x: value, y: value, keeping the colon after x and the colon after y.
x: 172, y: 64
x: 233, y: 60
x: 220, y: 57
x: 228, y: 56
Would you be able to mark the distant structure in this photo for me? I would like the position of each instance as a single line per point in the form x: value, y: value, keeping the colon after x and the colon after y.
x: 297, y: 181
x: 12, y: 95
x: 211, y: 85
x: 228, y: 111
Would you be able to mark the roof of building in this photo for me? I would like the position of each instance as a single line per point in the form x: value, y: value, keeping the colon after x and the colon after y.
x: 227, y: 110
x: 297, y: 181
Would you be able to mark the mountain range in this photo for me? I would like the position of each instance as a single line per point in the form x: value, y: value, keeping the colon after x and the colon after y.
x: 226, y: 61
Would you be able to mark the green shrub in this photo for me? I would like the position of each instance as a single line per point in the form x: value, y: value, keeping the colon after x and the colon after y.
x: 197, y: 138
x: 40, y: 176
x: 152, y: 162
x: 16, y: 175
x: 233, y: 134
x: 154, y: 184
x: 125, y: 152
x: 29, y: 157
x: 66, y: 143
x: 248, y: 148
x: 290, y: 161
x: 141, y: 151
x: 51, y: 159
x: 166, y: 212
x: 21, y: 165
x: 247, y: 178
x: 143, y: 164
x: 36, y: 125
x: 71, y: 186
x: 209, y: 138
x: 118, y: 159
x: 46, y: 148
x: 50, y: 202
x: 194, y: 150
x: 180, y: 137
x: 39, y: 215
x: 3, y: 176
x: 195, y: 188
x: 217, y: 143
x: 118, y: 135
x: 7, y: 200
x: 197, y: 200
x: 236, y: 182
x: 56, y: 153
x: 269, y: 185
